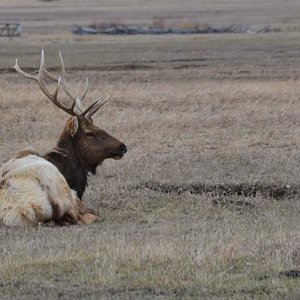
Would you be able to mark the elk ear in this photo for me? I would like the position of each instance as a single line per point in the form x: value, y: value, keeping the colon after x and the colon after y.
x: 73, y: 126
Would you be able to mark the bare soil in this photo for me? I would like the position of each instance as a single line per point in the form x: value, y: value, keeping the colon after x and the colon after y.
x: 274, y: 190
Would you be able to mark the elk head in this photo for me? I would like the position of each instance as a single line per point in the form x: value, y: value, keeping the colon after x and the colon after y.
x: 90, y: 144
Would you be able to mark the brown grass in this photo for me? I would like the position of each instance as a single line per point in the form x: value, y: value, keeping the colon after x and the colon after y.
x: 192, y: 110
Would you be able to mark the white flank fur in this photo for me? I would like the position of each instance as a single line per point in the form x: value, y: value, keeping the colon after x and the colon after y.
x: 30, y: 187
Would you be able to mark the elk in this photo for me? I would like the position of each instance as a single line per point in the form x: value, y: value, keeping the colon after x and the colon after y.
x: 38, y: 188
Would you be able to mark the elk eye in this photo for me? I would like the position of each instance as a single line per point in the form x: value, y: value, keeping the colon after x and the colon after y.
x: 103, y: 138
x: 90, y: 134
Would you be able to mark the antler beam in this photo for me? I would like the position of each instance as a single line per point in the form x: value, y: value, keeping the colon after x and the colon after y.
x: 77, y: 101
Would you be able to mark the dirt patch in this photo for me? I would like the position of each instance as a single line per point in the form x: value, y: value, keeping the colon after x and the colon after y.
x: 290, y: 273
x: 274, y: 190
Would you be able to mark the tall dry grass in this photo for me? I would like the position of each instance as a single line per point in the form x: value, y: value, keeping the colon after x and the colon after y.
x: 150, y: 243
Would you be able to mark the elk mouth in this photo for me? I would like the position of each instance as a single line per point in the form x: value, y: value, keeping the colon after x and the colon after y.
x: 120, y: 153
x: 116, y: 156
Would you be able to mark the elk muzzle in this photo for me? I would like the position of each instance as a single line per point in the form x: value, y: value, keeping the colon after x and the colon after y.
x: 120, y: 152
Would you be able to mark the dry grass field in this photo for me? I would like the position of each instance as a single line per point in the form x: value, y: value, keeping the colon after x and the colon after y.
x: 205, y: 204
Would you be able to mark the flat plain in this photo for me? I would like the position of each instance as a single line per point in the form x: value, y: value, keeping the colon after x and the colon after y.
x: 205, y: 204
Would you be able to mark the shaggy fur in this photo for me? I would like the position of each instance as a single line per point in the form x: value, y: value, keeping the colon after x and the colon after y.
x: 33, y: 191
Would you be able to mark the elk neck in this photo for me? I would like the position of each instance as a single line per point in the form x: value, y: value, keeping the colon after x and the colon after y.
x: 70, y: 162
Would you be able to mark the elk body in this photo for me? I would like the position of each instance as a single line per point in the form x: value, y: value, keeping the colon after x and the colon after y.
x: 37, y: 188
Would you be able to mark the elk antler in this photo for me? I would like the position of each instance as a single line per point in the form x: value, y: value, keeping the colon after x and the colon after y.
x: 77, y: 101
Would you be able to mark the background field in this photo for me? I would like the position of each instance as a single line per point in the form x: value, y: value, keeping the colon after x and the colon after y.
x: 205, y: 204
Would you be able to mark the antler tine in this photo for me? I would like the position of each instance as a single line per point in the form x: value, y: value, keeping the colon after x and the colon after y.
x: 77, y: 101
x: 85, y: 89
x: 20, y: 71
x: 49, y: 75
x: 92, y: 109
x: 40, y: 80
x: 63, y: 80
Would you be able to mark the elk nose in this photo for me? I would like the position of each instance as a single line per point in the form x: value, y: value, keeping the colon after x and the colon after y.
x: 123, y: 148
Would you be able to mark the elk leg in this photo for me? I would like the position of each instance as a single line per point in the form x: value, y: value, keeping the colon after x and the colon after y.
x: 82, y: 209
x: 88, y: 218
x: 87, y: 215
x: 80, y: 215
x: 71, y: 217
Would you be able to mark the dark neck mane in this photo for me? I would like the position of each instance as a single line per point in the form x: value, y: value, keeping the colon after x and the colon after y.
x: 66, y: 158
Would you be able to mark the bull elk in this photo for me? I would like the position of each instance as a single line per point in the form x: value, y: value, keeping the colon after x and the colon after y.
x: 37, y: 188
